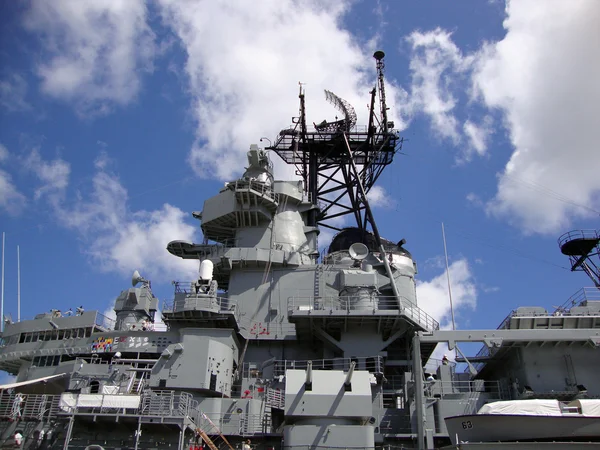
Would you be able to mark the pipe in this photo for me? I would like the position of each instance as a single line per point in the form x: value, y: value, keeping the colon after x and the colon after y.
x: 309, y: 376
x: 138, y: 432
x: 419, y: 397
x: 69, y: 432
x: 348, y: 381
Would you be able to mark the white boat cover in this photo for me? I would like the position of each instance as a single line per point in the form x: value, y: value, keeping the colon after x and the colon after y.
x: 69, y: 400
x: 25, y: 383
x: 523, y: 407
x: 588, y: 407
x: 89, y: 400
x: 110, y: 390
x: 121, y: 401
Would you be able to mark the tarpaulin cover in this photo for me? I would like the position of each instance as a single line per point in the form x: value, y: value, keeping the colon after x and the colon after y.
x: 68, y: 401
x: 121, y: 401
x: 89, y: 400
x: 110, y: 390
x: 523, y: 407
x: 589, y: 407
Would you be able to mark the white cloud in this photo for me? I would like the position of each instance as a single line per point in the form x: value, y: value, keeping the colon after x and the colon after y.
x: 13, y: 90
x: 432, y: 295
x: 544, y: 77
x: 477, y: 136
x: 11, y: 200
x: 54, y: 175
x: 116, y: 238
x: 125, y: 240
x: 244, y: 62
x: 436, y: 65
x: 378, y: 197
x: 95, y: 51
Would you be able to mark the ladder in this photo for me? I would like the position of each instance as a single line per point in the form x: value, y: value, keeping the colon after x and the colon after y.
x: 206, y: 439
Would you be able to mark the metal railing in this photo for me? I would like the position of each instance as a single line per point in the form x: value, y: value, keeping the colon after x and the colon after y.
x: 445, y: 388
x: 163, y: 404
x: 263, y: 189
x: 19, y: 406
x: 582, y: 295
x: 369, y: 305
x: 372, y: 364
x: 578, y: 234
x: 201, y: 302
x: 104, y: 322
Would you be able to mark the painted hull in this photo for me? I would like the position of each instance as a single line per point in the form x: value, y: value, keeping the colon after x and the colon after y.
x: 505, y: 428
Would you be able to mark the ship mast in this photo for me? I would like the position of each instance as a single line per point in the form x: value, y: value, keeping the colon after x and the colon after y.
x: 321, y: 157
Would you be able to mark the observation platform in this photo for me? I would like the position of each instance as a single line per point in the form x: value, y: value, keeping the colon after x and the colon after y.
x: 579, y: 242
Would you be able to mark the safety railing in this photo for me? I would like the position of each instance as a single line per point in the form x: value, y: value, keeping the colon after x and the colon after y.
x: 262, y: 189
x: 578, y: 234
x: 200, y: 302
x: 582, y: 295
x: 577, y: 299
x: 372, y: 364
x: 18, y: 406
x: 442, y: 389
x: 367, y: 304
x: 106, y: 323
x: 159, y: 403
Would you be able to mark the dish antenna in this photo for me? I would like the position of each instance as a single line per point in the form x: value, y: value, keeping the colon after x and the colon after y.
x: 137, y: 278
x: 358, y: 251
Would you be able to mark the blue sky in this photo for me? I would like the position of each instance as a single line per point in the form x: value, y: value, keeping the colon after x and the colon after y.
x: 120, y: 118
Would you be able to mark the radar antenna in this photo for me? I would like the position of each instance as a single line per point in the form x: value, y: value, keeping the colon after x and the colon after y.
x: 322, y: 159
x: 349, y: 120
x: 583, y: 249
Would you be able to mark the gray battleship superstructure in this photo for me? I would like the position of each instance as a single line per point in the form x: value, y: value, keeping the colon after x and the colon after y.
x: 278, y: 344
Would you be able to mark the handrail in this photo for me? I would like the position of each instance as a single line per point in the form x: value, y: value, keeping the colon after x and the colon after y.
x: 372, y: 364
x: 580, y: 296
x: 578, y: 234
x: 104, y: 321
x: 201, y: 302
x: 369, y: 303
x: 264, y: 189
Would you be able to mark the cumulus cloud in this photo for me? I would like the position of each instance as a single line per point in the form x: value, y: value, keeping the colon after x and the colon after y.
x: 93, y: 51
x: 437, y: 66
x: 11, y: 200
x: 433, y: 297
x: 125, y: 240
x: 117, y: 239
x: 243, y: 80
x: 543, y: 76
